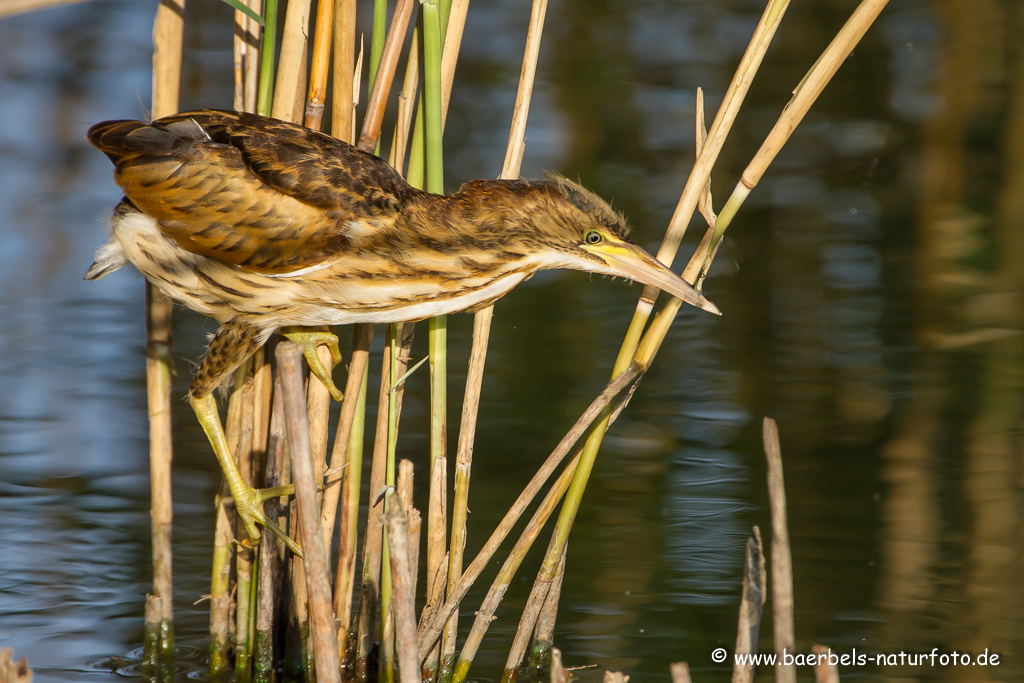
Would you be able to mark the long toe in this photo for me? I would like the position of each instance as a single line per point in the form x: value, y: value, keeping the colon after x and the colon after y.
x: 309, y: 339
x: 248, y: 504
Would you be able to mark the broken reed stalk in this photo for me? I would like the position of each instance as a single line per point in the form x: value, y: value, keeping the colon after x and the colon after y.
x: 544, y: 634
x: 289, y: 363
x: 824, y: 670
x: 168, y: 38
x: 404, y: 598
x: 680, y: 672
x: 752, y: 599
x: 782, y: 561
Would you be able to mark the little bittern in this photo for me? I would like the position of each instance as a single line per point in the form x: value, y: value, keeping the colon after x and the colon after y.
x: 266, y: 225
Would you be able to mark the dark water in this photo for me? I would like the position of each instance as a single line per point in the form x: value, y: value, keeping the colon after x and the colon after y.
x: 872, y: 296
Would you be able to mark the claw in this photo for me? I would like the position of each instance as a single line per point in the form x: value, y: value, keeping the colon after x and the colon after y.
x: 309, y: 339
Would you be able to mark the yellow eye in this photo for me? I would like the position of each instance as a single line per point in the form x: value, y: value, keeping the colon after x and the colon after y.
x: 593, y: 237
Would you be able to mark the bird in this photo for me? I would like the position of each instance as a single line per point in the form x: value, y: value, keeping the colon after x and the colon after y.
x: 268, y: 226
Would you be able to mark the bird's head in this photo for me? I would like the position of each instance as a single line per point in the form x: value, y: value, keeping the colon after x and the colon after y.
x: 574, y: 228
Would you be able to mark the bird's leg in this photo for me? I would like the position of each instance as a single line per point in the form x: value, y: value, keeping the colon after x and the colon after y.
x: 232, y: 344
x: 248, y: 501
x: 309, y: 339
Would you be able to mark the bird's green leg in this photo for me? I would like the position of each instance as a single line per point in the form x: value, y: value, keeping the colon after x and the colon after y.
x: 309, y: 339
x: 248, y: 501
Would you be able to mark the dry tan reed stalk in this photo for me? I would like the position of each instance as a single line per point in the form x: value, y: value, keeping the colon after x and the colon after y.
x: 318, y: 75
x: 13, y: 671
x: 430, y: 628
x: 450, y: 56
x: 437, y: 552
x: 805, y: 94
x: 824, y: 670
x: 344, y: 81
x: 343, y: 437
x: 370, y: 588
x: 485, y: 614
x: 531, y: 613
x: 290, y: 85
x: 289, y: 363
x: 263, y: 382
x: 405, y: 480
x: 751, y: 607
x: 319, y: 401
x: 558, y: 672
x: 415, y: 528
x: 168, y: 37
x: 348, y: 446
x: 680, y: 672
x: 246, y: 55
x: 406, y: 98
x: 385, y: 75
x: 464, y: 455
x: 271, y: 571
x: 545, y: 630
x: 12, y: 7
x: 405, y: 599
x: 782, y: 561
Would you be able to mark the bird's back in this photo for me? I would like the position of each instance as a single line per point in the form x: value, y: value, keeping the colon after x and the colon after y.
x: 261, y: 194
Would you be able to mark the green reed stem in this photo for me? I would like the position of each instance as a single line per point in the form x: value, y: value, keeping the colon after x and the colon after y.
x: 377, y: 37
x: 265, y: 97
x: 431, y: 101
x: 387, y: 659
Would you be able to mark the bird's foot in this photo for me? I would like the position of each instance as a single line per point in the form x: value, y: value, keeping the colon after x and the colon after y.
x: 249, y: 506
x: 309, y: 339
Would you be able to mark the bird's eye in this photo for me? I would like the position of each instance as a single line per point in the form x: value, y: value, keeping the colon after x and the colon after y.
x: 593, y: 237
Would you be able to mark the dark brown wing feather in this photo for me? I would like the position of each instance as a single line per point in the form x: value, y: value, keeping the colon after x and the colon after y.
x: 251, y: 191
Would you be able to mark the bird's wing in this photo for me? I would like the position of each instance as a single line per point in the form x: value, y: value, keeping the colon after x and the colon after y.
x: 254, y: 192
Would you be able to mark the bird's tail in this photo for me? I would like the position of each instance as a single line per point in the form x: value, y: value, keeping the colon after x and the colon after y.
x: 118, y: 139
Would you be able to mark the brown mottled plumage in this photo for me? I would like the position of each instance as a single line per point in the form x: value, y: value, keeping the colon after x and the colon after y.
x: 264, y: 224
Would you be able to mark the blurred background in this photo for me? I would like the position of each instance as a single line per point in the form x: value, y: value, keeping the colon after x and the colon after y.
x: 871, y: 290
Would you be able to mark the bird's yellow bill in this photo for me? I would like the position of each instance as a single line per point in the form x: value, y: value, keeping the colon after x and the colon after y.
x: 630, y: 261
